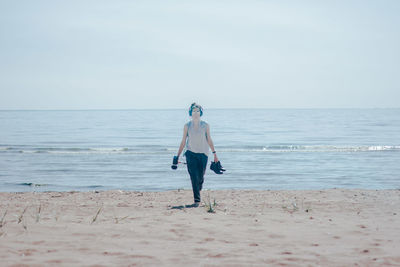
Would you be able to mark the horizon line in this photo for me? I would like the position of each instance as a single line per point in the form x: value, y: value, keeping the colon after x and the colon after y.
x: 212, y: 108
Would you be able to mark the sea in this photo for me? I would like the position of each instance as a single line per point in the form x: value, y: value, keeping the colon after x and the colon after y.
x: 262, y: 149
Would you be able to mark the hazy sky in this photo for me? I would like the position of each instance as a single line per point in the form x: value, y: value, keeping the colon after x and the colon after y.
x: 222, y: 54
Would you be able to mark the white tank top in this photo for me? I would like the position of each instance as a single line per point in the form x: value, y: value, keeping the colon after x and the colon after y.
x: 197, y: 138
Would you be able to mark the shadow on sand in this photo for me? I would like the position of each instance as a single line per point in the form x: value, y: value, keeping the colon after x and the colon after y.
x: 184, y: 207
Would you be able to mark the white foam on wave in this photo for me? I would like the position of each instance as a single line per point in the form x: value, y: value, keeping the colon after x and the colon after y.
x: 245, y: 149
x: 381, y: 148
x: 98, y: 150
x: 315, y: 148
x: 109, y: 149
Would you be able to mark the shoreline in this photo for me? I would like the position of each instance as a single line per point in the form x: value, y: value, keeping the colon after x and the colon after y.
x: 329, y: 227
x: 99, y: 190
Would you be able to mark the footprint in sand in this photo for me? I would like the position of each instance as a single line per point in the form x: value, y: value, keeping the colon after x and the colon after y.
x: 226, y: 241
x: 179, y: 225
x: 55, y: 261
x: 38, y: 242
x: 205, y: 240
x: 139, y: 257
x: 215, y: 255
x: 276, y: 236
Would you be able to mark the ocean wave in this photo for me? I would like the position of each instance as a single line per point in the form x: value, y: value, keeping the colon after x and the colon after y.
x: 96, y: 150
x: 309, y: 148
x: 32, y: 184
x: 306, y: 148
x: 54, y: 186
x: 163, y: 150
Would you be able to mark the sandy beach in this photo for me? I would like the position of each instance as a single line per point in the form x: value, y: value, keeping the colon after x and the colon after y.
x: 333, y: 227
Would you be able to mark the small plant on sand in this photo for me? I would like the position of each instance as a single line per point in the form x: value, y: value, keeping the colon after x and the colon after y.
x: 97, y: 214
x: 291, y: 209
x: 56, y: 216
x: 25, y: 224
x: 21, y: 216
x: 117, y: 219
x: 210, y: 206
x: 38, y: 213
x: 3, y: 219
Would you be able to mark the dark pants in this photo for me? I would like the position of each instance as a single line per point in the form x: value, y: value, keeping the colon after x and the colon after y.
x: 196, y: 165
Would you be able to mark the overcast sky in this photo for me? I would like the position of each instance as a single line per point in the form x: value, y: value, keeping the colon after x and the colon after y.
x: 222, y: 54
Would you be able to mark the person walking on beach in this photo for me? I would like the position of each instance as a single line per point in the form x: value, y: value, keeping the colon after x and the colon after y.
x: 197, y: 138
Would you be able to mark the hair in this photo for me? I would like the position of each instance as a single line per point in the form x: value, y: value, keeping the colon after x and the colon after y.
x: 194, y: 105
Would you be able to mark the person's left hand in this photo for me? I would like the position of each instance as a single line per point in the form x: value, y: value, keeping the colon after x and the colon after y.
x: 215, y: 158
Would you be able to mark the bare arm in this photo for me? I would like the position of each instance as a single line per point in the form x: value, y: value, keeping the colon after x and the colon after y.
x: 211, y: 144
x: 183, y: 142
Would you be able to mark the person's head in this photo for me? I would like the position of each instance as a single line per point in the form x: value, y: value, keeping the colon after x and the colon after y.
x: 195, y: 110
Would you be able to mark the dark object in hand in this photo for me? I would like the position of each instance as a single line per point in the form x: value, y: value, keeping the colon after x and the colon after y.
x: 217, y: 168
x: 174, y: 165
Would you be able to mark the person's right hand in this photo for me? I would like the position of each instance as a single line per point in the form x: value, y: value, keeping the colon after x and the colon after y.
x: 174, y: 165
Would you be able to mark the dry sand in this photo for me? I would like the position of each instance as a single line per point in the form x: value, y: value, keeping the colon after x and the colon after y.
x: 249, y: 228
